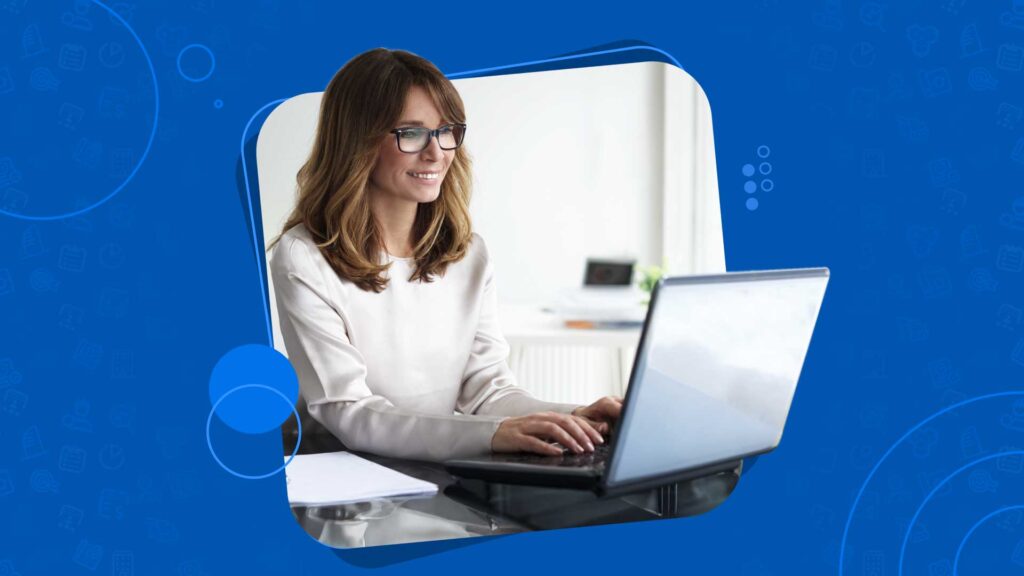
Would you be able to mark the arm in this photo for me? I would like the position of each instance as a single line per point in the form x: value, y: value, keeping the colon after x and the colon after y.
x: 488, y: 385
x: 332, y: 375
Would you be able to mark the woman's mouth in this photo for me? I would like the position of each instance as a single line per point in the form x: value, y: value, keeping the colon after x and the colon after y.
x: 425, y: 176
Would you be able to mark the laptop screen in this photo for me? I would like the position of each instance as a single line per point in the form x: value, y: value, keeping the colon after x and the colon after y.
x: 716, y: 370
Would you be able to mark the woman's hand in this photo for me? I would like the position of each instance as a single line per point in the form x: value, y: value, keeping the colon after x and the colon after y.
x: 535, y: 432
x: 602, y: 413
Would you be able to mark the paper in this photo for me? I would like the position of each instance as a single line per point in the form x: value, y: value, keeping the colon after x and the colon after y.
x: 602, y: 304
x: 343, y: 478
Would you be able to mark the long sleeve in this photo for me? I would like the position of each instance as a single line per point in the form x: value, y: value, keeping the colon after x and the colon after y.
x: 488, y: 385
x: 333, y: 374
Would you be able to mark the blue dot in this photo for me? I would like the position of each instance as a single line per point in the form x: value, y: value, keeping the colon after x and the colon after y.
x: 765, y: 168
x: 247, y: 368
x: 218, y: 103
x: 763, y: 151
x: 752, y: 204
x: 767, y: 185
x: 750, y: 186
x: 748, y: 170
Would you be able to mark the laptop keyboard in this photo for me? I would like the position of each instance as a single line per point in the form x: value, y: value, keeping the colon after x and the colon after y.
x: 568, y: 459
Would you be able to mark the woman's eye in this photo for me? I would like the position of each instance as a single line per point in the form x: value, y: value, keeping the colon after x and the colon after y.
x: 409, y: 134
x: 445, y: 129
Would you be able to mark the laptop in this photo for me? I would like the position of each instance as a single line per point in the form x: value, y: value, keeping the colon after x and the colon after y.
x: 712, y: 382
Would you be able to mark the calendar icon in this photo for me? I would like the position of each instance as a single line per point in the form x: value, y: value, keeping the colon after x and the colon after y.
x: 1010, y: 258
x: 123, y: 563
x: 1010, y: 58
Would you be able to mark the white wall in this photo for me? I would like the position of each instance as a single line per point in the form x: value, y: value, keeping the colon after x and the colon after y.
x: 603, y: 161
x: 614, y: 161
x: 567, y: 165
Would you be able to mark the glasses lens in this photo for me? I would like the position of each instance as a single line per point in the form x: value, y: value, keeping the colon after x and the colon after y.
x: 450, y: 136
x: 413, y: 139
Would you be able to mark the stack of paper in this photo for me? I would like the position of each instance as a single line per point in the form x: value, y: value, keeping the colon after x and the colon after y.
x: 606, y: 305
x: 342, y: 478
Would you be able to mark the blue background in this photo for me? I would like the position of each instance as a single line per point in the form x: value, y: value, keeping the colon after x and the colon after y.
x: 897, y: 151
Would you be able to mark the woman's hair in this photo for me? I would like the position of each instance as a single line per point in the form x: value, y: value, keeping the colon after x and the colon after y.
x: 360, y: 106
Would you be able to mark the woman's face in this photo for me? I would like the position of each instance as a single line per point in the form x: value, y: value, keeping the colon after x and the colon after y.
x: 412, y: 177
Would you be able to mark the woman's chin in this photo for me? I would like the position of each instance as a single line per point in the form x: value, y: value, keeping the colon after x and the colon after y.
x: 427, y: 196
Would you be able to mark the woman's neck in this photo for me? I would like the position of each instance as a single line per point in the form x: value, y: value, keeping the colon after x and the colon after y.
x: 396, y: 218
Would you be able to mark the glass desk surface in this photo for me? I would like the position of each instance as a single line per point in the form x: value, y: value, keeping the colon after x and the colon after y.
x: 464, y: 508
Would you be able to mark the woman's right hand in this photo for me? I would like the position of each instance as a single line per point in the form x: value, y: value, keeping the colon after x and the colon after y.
x: 535, y: 432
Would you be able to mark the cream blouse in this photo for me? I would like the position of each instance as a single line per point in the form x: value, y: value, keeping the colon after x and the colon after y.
x: 417, y: 371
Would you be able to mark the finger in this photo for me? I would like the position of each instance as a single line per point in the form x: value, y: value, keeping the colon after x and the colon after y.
x: 590, y: 430
x: 612, y: 408
x: 529, y: 443
x: 570, y: 424
x: 565, y: 422
x: 600, y: 425
x: 553, y: 431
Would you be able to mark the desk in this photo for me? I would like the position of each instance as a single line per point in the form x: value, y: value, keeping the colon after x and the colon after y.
x: 470, y: 508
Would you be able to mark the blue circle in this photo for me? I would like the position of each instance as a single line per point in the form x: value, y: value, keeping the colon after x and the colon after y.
x: 149, y: 143
x: 765, y: 168
x: 218, y: 103
x: 748, y: 170
x: 960, y: 548
x: 891, y: 449
x: 767, y: 185
x: 750, y: 186
x: 209, y: 441
x: 213, y: 63
x: 752, y: 204
x: 247, y: 364
x: 935, y: 490
x: 763, y: 151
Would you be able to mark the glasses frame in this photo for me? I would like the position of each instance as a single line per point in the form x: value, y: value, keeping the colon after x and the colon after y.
x: 436, y: 133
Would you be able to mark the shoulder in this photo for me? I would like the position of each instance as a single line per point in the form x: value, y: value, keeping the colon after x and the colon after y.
x: 296, y: 258
x: 477, y: 252
x: 477, y: 262
x: 295, y: 251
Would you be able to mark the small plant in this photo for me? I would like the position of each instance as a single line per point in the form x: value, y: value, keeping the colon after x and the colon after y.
x: 649, y: 276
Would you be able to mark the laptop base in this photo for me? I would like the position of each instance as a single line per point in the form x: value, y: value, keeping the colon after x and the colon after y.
x: 525, y: 474
x: 545, y: 508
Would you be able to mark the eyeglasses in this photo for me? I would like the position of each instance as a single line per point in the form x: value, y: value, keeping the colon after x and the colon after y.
x: 416, y: 139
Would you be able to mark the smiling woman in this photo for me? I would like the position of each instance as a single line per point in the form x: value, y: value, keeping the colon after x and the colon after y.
x: 411, y: 173
x: 358, y: 192
x: 410, y: 364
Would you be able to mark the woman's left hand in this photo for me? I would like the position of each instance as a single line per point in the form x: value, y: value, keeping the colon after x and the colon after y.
x: 603, y: 413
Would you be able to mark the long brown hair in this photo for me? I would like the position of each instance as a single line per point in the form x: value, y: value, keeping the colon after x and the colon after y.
x: 361, y: 104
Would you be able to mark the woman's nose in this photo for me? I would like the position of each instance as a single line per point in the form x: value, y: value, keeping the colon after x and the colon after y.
x: 433, y: 150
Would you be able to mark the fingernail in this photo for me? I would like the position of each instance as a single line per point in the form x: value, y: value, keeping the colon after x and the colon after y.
x: 600, y: 439
x: 591, y: 446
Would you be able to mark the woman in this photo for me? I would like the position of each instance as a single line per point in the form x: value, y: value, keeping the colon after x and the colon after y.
x: 385, y: 295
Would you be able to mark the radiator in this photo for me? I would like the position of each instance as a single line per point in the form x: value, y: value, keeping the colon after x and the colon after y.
x: 572, y: 373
